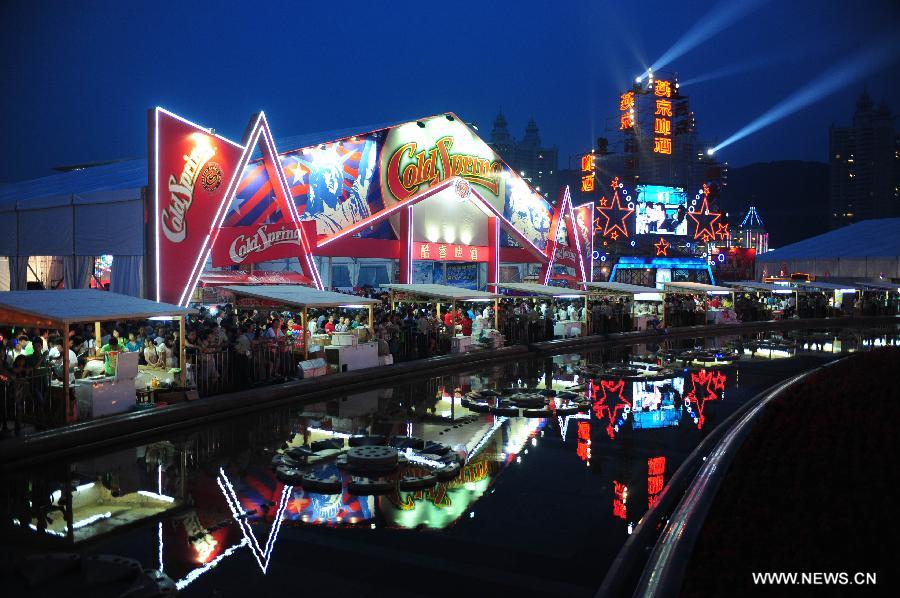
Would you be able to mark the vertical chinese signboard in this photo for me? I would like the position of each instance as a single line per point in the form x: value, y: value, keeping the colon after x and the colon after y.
x: 662, y: 117
x: 588, y: 177
x: 191, y: 172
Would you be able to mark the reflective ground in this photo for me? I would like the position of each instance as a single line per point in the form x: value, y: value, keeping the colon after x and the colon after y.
x: 542, y: 506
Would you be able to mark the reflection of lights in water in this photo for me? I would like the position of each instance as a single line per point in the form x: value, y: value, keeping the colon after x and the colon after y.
x: 156, y: 496
x: 498, y: 423
x: 330, y: 433
x: 84, y: 487
x: 262, y: 556
x: 195, y: 573
x: 420, y: 460
x: 92, y: 519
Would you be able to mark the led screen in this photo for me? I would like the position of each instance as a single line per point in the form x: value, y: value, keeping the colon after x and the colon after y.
x: 656, y: 403
x: 660, y: 210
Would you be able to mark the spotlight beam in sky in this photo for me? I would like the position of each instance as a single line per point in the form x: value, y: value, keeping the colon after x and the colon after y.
x: 722, y: 15
x: 766, y: 59
x: 848, y: 71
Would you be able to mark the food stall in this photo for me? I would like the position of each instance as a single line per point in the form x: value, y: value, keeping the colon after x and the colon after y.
x: 646, y: 302
x: 778, y: 292
x: 346, y: 351
x: 714, y: 315
x: 442, y: 295
x: 563, y: 327
x: 58, y: 310
x: 843, y: 295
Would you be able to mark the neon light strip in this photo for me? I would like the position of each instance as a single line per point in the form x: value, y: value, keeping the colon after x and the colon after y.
x: 227, y: 198
x: 288, y: 198
x: 156, y: 496
x: 195, y: 573
x: 572, y: 227
x: 498, y: 423
x: 157, y: 112
x: 409, y: 244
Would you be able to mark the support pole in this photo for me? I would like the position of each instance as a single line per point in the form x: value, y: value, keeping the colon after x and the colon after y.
x: 97, y: 335
x: 496, y: 313
x: 181, y: 350
x: 393, y: 303
x: 71, y: 414
x: 587, y: 316
x: 307, y: 335
x: 371, y: 318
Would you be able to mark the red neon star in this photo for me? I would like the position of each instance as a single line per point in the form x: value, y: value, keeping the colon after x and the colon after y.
x: 703, y: 389
x: 722, y: 231
x: 616, y: 217
x: 662, y: 247
x: 610, y: 403
x: 704, y: 221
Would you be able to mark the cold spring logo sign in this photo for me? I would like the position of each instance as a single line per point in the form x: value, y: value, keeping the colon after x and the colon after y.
x: 181, y: 190
x: 409, y: 168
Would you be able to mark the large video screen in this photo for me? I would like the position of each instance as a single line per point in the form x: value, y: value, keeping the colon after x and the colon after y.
x: 660, y: 210
x: 656, y: 403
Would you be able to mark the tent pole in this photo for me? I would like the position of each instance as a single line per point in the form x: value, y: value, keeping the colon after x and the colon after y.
x: 181, y: 351
x: 584, y: 329
x: 496, y: 313
x: 71, y: 413
x: 306, y: 334
x: 371, y: 319
x: 97, y: 335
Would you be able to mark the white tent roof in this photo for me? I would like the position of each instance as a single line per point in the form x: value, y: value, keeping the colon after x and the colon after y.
x: 621, y: 287
x: 532, y: 288
x: 829, y: 286
x: 68, y: 306
x: 752, y: 285
x: 298, y: 296
x: 695, y: 287
x: 440, y: 291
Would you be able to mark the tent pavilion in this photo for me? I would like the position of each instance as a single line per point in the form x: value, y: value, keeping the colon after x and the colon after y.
x: 441, y: 293
x: 302, y: 298
x: 533, y: 289
x: 636, y: 292
x: 867, y: 250
x: 60, y: 309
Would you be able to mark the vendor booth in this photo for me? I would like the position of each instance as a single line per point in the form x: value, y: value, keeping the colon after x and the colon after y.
x: 780, y: 299
x: 58, y: 310
x: 446, y: 299
x: 723, y: 314
x: 349, y: 350
x: 567, y: 322
x: 646, y: 302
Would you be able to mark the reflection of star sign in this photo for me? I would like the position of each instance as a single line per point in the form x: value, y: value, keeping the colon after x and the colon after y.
x: 705, y: 222
x: 703, y: 389
x: 662, y: 247
x: 615, y: 217
x: 610, y: 403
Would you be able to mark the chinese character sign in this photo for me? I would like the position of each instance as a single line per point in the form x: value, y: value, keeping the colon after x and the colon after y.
x: 626, y: 106
x: 588, y: 165
x: 662, y: 119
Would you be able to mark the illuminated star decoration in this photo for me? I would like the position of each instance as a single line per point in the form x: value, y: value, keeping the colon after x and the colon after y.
x: 722, y: 231
x: 610, y: 403
x: 704, y: 388
x: 704, y: 220
x: 662, y: 247
x: 613, y: 215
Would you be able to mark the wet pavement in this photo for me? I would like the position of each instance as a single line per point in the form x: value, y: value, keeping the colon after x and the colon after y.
x: 542, y: 505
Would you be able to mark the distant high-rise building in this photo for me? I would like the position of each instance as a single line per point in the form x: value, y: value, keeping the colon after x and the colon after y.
x: 864, y: 165
x: 533, y: 162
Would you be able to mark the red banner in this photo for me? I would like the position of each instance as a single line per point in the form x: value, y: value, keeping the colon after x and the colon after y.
x: 192, y: 170
x: 253, y: 244
x: 450, y: 252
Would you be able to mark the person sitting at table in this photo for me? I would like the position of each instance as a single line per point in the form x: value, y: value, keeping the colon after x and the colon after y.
x: 151, y: 355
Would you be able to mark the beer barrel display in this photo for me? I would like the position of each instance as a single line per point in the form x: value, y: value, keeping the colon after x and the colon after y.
x: 523, y: 402
x: 375, y: 465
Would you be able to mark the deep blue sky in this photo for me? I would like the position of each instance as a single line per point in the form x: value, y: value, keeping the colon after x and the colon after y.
x: 79, y: 76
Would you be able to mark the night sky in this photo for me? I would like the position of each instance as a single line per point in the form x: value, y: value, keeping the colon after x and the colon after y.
x: 79, y: 76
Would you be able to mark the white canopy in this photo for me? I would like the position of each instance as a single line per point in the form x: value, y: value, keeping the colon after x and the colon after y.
x: 299, y: 296
x: 829, y: 286
x: 621, y: 287
x: 752, y: 285
x: 67, y: 306
x: 441, y: 291
x: 533, y: 288
x: 695, y: 287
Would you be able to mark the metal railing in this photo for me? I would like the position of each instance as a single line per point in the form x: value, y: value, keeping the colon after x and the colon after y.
x: 28, y: 399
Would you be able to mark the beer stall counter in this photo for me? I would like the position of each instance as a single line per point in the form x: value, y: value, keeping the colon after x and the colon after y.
x: 714, y: 315
x: 646, y: 302
x: 776, y: 295
x: 59, y: 310
x: 566, y: 323
x: 444, y: 295
x: 346, y: 351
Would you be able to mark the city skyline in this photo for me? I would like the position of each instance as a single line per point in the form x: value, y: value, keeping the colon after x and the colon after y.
x: 105, y: 71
